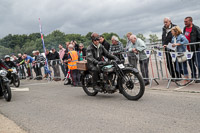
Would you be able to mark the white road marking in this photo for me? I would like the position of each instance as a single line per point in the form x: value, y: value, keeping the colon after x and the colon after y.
x: 179, y: 88
x: 33, y: 84
x: 19, y: 89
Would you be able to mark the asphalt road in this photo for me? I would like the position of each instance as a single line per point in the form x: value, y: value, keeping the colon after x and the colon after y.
x: 55, y: 108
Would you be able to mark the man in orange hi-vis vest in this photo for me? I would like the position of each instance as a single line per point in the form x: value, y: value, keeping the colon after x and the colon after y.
x: 72, y: 60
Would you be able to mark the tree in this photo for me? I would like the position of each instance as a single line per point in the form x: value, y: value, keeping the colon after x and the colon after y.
x: 4, y: 51
x: 88, y: 35
x: 153, y: 38
x: 141, y: 36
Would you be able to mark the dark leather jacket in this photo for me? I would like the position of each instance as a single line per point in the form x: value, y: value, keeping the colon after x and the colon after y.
x: 10, y: 64
x: 194, y: 37
x: 166, y: 37
x: 3, y: 65
x: 93, y: 57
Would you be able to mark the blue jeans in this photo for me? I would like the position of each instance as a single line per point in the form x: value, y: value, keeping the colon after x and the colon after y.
x: 63, y: 68
x: 195, y: 62
x: 182, y: 68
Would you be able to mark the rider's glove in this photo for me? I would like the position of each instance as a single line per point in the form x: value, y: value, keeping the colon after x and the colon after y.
x: 10, y: 70
x: 117, y: 60
x: 101, y: 63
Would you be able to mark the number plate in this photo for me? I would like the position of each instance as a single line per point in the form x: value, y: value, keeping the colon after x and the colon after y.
x: 14, y: 70
x: 121, y: 66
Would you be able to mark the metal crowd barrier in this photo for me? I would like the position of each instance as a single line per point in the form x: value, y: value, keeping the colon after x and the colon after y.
x: 162, y: 65
x: 172, y: 70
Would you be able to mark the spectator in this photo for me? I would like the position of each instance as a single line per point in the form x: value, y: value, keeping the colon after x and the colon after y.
x: 138, y: 47
x: 21, y: 64
x: 49, y: 59
x: 178, y: 41
x: 72, y: 60
x: 39, y: 62
x: 104, y: 42
x: 28, y: 60
x: 76, y: 46
x: 81, y: 52
x: 61, y: 54
x: 48, y: 55
x: 14, y: 59
x: 166, y: 38
x: 55, y: 64
x: 129, y: 43
x: 65, y: 60
x: 116, y: 48
x: 192, y: 33
x: 132, y: 57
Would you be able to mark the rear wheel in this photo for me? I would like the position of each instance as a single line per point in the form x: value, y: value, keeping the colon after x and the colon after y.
x: 133, y: 88
x: 87, y: 85
x: 7, y: 92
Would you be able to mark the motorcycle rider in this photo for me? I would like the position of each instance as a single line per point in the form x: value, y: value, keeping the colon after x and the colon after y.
x: 3, y: 65
x: 8, y: 62
x: 95, y: 53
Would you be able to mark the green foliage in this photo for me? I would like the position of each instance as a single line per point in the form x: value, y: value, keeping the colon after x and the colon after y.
x: 27, y: 43
x: 153, y: 38
x: 4, y: 51
x: 141, y: 36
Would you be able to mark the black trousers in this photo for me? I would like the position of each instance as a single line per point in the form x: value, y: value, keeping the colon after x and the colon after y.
x: 75, y: 76
x: 133, y: 60
x: 22, y: 71
x: 95, y: 74
x: 38, y: 72
x: 171, y: 66
x: 144, y: 69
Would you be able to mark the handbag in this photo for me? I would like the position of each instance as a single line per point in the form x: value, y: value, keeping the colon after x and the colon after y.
x: 181, y: 58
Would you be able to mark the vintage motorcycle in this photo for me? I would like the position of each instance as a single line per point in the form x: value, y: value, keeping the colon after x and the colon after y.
x: 113, y: 77
x: 5, y: 89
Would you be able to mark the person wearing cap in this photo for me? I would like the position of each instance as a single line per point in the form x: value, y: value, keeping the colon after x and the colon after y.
x: 94, y: 54
x: 55, y: 64
x: 72, y: 60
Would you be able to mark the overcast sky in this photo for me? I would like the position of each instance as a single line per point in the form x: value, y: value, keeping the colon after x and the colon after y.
x: 83, y: 16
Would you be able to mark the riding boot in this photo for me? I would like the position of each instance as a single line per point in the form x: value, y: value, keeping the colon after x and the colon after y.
x: 95, y: 79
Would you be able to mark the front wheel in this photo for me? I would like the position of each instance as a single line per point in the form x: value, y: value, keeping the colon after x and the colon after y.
x: 16, y: 81
x: 133, y: 86
x: 7, y: 92
x: 87, y: 85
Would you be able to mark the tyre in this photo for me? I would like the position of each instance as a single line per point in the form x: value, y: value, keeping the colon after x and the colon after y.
x: 67, y: 81
x: 87, y: 85
x: 7, y: 92
x: 16, y: 81
x: 1, y: 93
x: 133, y: 88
